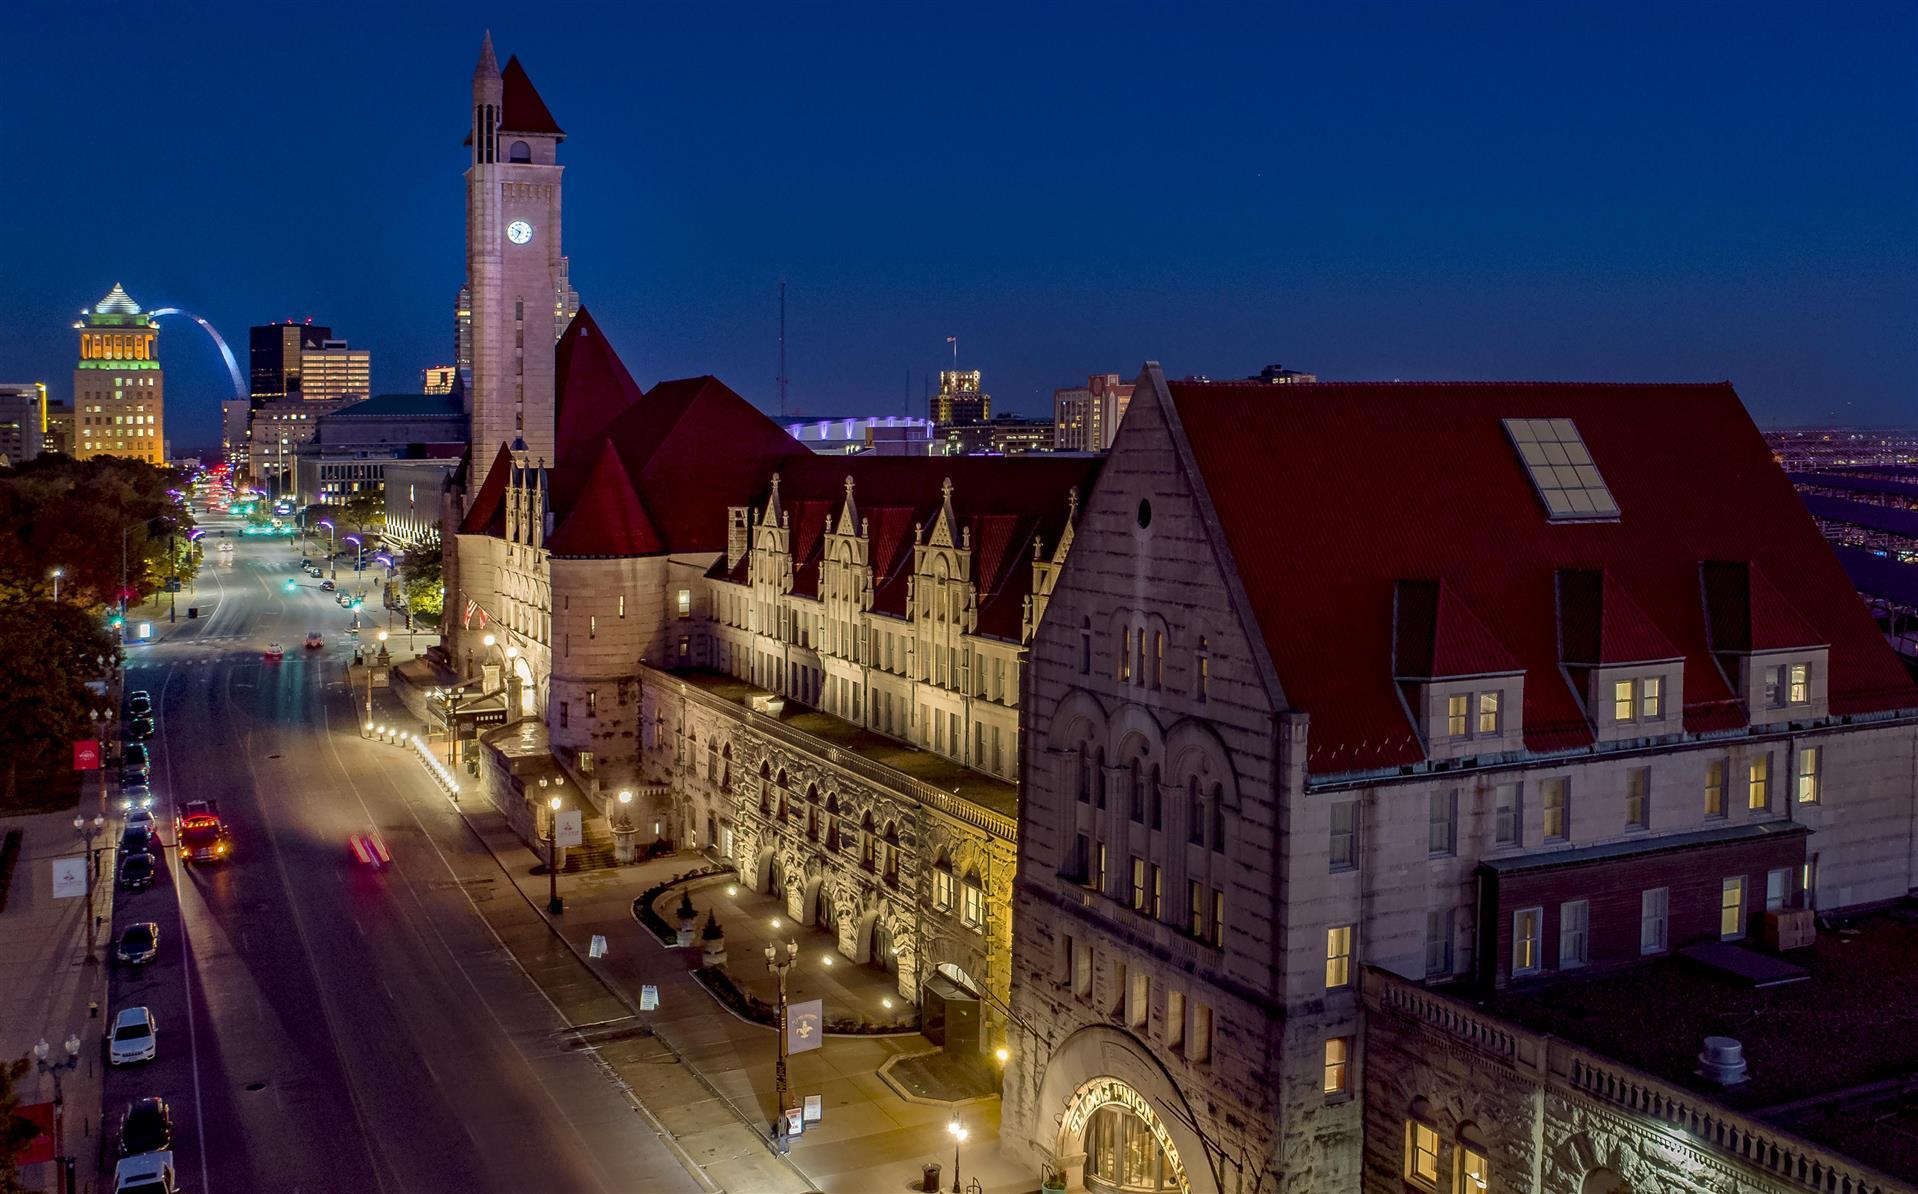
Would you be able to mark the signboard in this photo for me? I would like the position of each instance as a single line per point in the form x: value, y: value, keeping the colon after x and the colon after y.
x: 143, y: 631
x: 568, y: 826
x: 598, y: 947
x: 815, y: 1108
x: 69, y: 877
x: 805, y: 1025
x: 795, y: 1121
x: 648, y: 998
x: 86, y: 755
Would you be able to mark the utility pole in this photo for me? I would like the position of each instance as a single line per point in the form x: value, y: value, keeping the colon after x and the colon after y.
x: 782, y: 348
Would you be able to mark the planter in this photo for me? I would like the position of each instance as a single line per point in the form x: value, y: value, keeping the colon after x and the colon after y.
x: 714, y: 953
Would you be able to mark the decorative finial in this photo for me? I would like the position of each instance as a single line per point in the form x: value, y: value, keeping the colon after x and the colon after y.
x: 945, y: 489
x: 1072, y: 504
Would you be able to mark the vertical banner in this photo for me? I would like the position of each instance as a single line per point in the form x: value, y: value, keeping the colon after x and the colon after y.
x: 805, y: 1025
x: 86, y: 755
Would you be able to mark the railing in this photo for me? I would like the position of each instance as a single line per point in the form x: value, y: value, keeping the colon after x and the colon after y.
x: 957, y: 807
x: 1576, y: 1070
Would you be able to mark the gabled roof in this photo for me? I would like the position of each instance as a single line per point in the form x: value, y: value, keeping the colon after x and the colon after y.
x: 591, y: 388
x: 1328, y: 493
x: 1438, y: 636
x: 1747, y: 613
x: 522, y: 109
x: 1600, y: 625
x: 608, y: 519
x: 487, y: 513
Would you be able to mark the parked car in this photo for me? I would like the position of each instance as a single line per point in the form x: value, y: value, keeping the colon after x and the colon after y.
x: 134, y: 757
x: 306, y: 561
x: 314, y: 639
x: 137, y: 871
x: 135, y: 798
x: 136, y: 838
x: 328, y: 586
x: 135, y: 777
x: 148, y: 1173
x: 135, y: 1037
x: 139, y: 703
x: 146, y: 1128
x: 139, y: 944
x: 139, y: 729
x: 141, y: 815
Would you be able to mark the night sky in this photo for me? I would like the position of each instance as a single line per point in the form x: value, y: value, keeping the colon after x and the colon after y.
x: 1417, y: 190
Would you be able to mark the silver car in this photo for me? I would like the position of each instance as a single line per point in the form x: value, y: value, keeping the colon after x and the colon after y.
x: 135, y: 1037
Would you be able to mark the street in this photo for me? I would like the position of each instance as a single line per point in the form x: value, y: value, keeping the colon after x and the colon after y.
x: 323, y: 1024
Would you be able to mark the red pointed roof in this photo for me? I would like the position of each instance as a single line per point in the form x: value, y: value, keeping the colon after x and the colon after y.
x: 487, y: 514
x: 1440, y: 637
x: 1328, y: 493
x: 1748, y: 613
x: 608, y: 519
x: 1601, y: 624
x: 591, y: 388
x: 522, y: 109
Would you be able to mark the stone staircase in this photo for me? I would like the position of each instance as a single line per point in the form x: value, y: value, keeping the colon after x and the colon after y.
x: 595, y: 851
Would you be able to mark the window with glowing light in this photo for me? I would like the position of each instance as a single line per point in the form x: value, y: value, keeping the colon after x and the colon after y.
x: 1123, y: 1154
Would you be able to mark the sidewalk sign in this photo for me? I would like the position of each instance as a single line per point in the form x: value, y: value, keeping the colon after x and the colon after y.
x: 648, y: 998
x: 69, y: 877
x: 804, y: 1024
x: 815, y: 1108
x: 568, y: 823
x: 795, y: 1121
x: 598, y: 948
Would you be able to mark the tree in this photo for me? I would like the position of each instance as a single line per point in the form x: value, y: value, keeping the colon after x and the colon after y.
x: 365, y: 511
x: 51, y: 652
x: 16, y: 1131
x: 421, y: 585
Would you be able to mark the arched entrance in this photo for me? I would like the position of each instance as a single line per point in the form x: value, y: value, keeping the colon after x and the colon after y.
x: 768, y: 881
x: 1604, y: 1181
x: 959, y: 976
x: 1126, y: 1148
x: 527, y: 691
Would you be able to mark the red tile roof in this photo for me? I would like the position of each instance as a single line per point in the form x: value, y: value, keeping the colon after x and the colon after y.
x: 1439, y: 636
x: 486, y: 514
x: 608, y: 519
x: 1600, y: 624
x: 591, y: 389
x: 522, y: 111
x: 1748, y: 613
x: 1330, y: 493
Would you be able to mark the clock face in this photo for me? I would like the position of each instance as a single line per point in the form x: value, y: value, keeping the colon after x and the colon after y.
x: 519, y: 232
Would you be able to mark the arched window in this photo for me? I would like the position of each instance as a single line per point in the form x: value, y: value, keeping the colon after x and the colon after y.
x: 712, y: 760
x: 892, y: 854
x: 942, y: 883
x: 866, y: 844
x: 726, y: 768
x: 832, y: 822
x: 1099, y: 777
x: 1135, y: 792
x: 1083, y: 777
x: 1194, y: 813
x: 1085, y: 646
x: 972, y: 902
x: 1218, y: 818
x: 812, y: 813
x: 1152, y: 796
x: 520, y: 152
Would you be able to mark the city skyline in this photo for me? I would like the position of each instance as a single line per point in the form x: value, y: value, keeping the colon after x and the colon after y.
x: 1340, y: 195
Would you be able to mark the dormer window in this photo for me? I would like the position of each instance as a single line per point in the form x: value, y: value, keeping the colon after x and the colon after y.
x: 1642, y: 699
x: 1462, y: 722
x: 1488, y: 712
x: 1787, y: 685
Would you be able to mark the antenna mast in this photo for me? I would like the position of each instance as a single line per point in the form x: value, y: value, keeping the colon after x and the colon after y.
x: 782, y: 348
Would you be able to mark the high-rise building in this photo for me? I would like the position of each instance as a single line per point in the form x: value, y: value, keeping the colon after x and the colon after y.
x: 438, y: 379
x: 236, y: 418
x: 274, y: 357
x: 118, y: 385
x: 516, y: 278
x: 22, y: 421
x: 463, y: 337
x: 961, y: 398
x: 332, y: 371
x: 1087, y: 417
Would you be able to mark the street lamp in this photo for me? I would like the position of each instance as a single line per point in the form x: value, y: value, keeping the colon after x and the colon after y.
x: 87, y: 831
x: 959, y: 1135
x: 332, y: 565
x: 778, y: 966
x: 554, y: 904
x: 102, y: 718
x: 41, y: 1052
x: 57, y: 574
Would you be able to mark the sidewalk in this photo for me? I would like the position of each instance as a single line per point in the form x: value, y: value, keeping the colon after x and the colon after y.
x: 46, y: 984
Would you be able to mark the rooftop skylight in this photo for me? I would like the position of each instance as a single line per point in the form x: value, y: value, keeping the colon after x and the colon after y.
x: 1562, y: 470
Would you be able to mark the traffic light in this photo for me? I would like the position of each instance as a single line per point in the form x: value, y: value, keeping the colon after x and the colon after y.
x: 116, y: 621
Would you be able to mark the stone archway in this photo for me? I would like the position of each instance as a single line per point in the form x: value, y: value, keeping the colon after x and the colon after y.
x: 528, y: 691
x: 1604, y: 1181
x: 1101, y: 1067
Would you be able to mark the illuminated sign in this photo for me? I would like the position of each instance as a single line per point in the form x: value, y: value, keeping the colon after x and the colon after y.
x: 1102, y: 1092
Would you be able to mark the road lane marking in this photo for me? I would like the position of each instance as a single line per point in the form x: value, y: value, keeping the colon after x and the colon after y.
x: 186, y: 956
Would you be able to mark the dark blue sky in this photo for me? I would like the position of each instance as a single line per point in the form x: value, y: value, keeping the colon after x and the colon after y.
x: 1413, y: 190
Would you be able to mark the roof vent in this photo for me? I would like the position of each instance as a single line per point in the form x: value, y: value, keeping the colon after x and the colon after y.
x: 1723, y: 1061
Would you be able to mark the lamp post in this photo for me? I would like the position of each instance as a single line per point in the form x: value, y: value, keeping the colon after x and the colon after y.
x: 332, y: 566
x: 102, y: 719
x: 778, y: 966
x: 959, y: 1135
x: 88, y: 831
x: 554, y: 905
x: 57, y: 574
x: 623, y: 850
x: 41, y: 1052
x: 386, y: 590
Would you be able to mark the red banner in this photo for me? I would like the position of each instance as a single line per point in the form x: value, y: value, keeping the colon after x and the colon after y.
x: 40, y: 1149
x: 86, y: 756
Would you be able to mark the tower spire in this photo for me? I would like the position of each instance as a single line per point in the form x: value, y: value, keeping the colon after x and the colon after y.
x: 488, y: 65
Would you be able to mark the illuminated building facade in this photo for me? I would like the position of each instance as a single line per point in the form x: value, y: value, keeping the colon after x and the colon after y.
x: 22, y: 422
x: 438, y: 379
x: 332, y: 371
x: 119, y: 389
x: 961, y: 398
x: 1085, y: 418
x: 274, y: 357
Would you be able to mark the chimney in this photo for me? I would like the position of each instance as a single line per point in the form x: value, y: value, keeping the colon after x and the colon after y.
x: 1723, y: 1061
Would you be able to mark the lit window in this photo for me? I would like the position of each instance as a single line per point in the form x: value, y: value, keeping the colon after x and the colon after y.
x: 1777, y: 889
x: 1623, y: 700
x: 1124, y: 671
x: 1638, y: 802
x: 1138, y: 884
x: 1651, y: 698
x: 1561, y: 469
x: 1218, y: 919
x: 941, y: 888
x: 685, y: 603
x: 1808, y: 760
x: 1474, y: 1171
x: 1556, y: 813
x: 1488, y: 712
x: 1338, y: 1062
x: 622, y: 605
x: 1338, y: 957
x: 1195, y: 901
x: 1421, y: 1154
x: 1526, y: 924
x: 1456, y: 708
x: 1715, y: 788
x: 1759, y: 783
x: 1731, y: 909
x: 1654, y: 909
x: 973, y: 910
x: 1574, y: 933
x: 1800, y: 684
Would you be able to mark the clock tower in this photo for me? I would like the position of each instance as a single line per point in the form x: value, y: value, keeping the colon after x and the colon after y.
x: 520, y: 299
